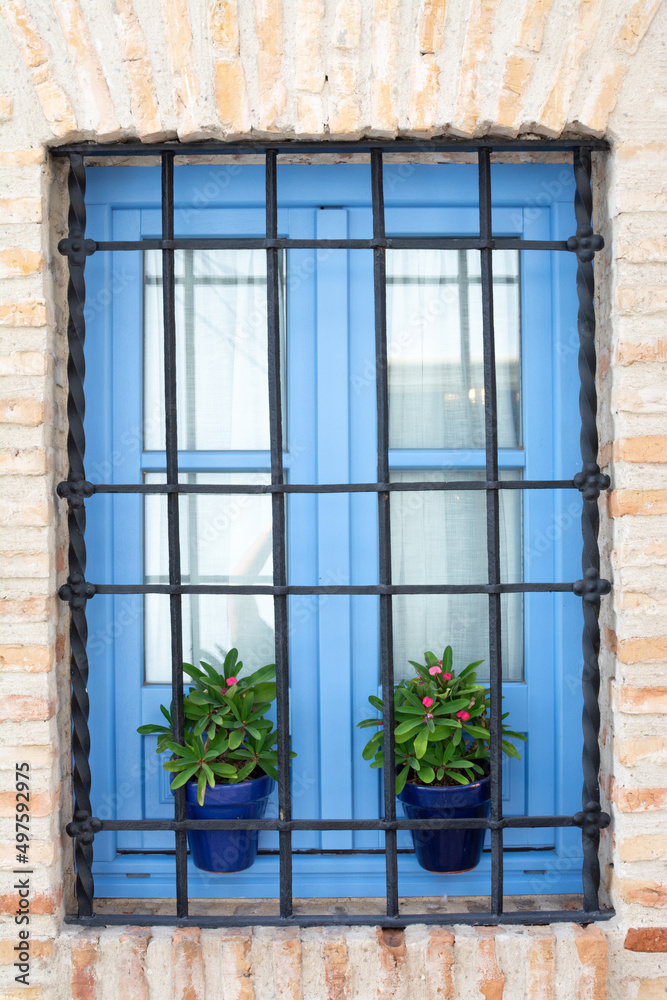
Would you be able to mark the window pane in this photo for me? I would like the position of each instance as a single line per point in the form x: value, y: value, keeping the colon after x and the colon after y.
x: 224, y: 539
x: 434, y: 343
x: 223, y: 401
x: 440, y: 537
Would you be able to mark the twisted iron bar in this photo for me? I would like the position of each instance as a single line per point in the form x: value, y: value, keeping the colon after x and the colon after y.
x: 76, y: 591
x: 591, y: 588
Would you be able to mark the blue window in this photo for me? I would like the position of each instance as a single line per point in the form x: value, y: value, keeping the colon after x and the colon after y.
x: 436, y: 433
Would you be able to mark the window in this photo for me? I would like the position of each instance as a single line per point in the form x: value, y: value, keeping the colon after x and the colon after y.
x: 363, y: 298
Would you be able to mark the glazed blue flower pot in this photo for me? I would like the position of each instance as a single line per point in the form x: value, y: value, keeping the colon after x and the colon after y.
x: 226, y: 850
x: 447, y: 850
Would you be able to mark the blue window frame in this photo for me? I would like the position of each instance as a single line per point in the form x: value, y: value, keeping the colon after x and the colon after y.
x: 330, y: 437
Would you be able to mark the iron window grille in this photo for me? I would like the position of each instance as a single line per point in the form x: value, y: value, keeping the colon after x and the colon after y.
x: 589, y: 481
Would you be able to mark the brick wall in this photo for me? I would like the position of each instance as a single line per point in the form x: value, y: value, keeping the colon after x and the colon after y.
x: 150, y: 69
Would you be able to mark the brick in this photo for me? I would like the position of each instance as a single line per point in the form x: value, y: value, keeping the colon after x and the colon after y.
x: 24, y: 462
x: 440, y: 965
x: 520, y: 66
x: 602, y: 95
x: 476, y: 50
x: 639, y: 502
x: 491, y: 977
x: 272, y: 91
x: 592, y: 951
x: 12, y: 158
x: 635, y: 25
x: 6, y: 108
x: 24, y: 32
x: 26, y: 412
x: 391, y: 960
x: 19, y: 514
x: 33, y: 609
x: 41, y: 903
x: 188, y: 964
x: 23, y: 313
x: 645, y: 893
x: 653, y: 989
x: 641, y: 299
x: 138, y: 70
x: 554, y: 113
x: 24, y: 566
x: 640, y: 799
x: 132, y: 979
x: 286, y: 956
x: 309, y: 68
x: 41, y: 803
x: 629, y: 353
x: 541, y: 970
x: 55, y: 105
x: 23, y: 363
x: 235, y: 949
x: 15, y: 262
x: 336, y: 969
x: 178, y: 37
x: 649, y: 448
x: 25, y: 708
x: 643, y: 651
x: 39, y: 949
x: 94, y: 89
x: 644, y: 700
x: 651, y: 939
x: 633, y: 751
x: 646, y: 251
x: 33, y: 659
x: 231, y: 96
x: 20, y: 211
x: 84, y: 952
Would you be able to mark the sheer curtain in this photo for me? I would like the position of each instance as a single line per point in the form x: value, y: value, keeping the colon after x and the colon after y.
x: 436, y: 401
x: 222, y: 407
x: 223, y: 401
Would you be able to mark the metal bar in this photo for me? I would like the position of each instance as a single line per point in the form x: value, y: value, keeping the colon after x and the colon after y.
x: 403, y: 487
x: 381, y: 589
x: 384, y: 527
x: 278, y: 523
x: 173, y: 527
x: 76, y: 524
x: 482, y: 823
x: 481, y: 918
x: 495, y: 144
x: 492, y: 532
x: 286, y: 243
x: 590, y: 522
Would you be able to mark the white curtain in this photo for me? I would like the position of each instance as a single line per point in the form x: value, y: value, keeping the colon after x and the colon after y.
x: 223, y: 401
x: 434, y: 331
x: 436, y: 401
x: 222, y: 406
x: 440, y: 537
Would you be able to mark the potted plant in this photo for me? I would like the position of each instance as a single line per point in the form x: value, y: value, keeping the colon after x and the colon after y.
x: 442, y: 761
x: 227, y: 760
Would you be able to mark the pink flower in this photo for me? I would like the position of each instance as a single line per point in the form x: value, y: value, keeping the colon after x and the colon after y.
x: 447, y: 677
x: 434, y: 670
x: 427, y: 702
x: 463, y: 716
x: 232, y: 680
x: 439, y: 663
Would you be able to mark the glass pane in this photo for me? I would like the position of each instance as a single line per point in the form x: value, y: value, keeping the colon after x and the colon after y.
x: 224, y: 539
x: 223, y: 401
x: 440, y: 537
x: 434, y: 344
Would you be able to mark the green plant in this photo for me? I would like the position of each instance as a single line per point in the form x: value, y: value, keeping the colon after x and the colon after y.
x: 227, y: 737
x: 442, y: 729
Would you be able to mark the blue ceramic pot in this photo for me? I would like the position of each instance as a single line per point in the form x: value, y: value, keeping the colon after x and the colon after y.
x: 447, y: 850
x: 226, y: 850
